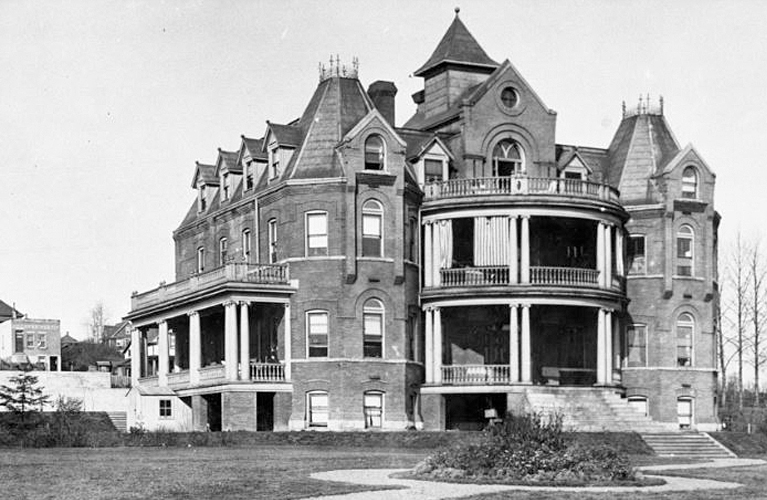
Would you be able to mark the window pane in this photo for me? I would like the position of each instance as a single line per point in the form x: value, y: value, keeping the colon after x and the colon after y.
x: 317, y: 223
x: 318, y: 409
x: 372, y: 324
x: 432, y: 170
x: 371, y: 225
x: 684, y: 248
x: 636, y: 346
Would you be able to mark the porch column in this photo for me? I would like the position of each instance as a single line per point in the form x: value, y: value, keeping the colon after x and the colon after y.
x: 288, y: 344
x: 619, y: 252
x: 608, y: 346
x: 427, y: 255
x: 616, y: 377
x: 162, y: 354
x: 176, y: 360
x: 195, y: 348
x: 230, y: 340
x: 513, y: 251
x: 437, y: 345
x: 601, y: 347
x: 525, y: 249
x: 513, y: 343
x: 436, y: 258
x: 135, y: 356
x: 526, y: 362
x: 429, y: 347
x: 601, y: 254
x: 244, y: 341
x: 608, y: 256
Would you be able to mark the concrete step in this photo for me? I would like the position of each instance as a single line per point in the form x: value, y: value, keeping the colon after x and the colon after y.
x: 119, y: 420
x: 685, y: 444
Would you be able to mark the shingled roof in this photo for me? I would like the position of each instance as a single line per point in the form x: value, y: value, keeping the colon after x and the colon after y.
x: 641, y: 147
x: 458, y: 46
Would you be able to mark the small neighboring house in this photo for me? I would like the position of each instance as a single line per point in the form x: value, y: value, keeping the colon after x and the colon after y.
x: 68, y: 340
x: 27, y: 341
x: 117, y: 336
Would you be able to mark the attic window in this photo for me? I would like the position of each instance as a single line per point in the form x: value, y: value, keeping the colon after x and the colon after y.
x: 509, y: 97
x: 225, y: 185
x: 274, y: 162
x: 202, y: 203
x: 374, y: 153
x: 508, y: 159
x: 690, y: 183
x: 249, y: 175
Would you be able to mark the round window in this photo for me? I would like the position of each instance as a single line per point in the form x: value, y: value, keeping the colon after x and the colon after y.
x: 509, y: 97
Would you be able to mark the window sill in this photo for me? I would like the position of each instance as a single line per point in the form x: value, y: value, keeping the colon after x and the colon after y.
x: 375, y: 259
x: 691, y: 278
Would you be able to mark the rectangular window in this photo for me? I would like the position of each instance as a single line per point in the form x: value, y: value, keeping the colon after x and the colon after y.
x: 200, y: 259
x: 637, y: 254
x: 42, y: 341
x: 318, y: 409
x: 432, y: 170
x: 636, y: 346
x: 223, y: 247
x: 249, y: 176
x: 373, y: 341
x: 225, y: 186
x: 373, y: 409
x: 316, y: 234
x: 371, y: 235
x: 203, y: 202
x: 272, y: 235
x: 165, y: 408
x: 30, y: 341
x: 684, y: 256
x: 19, y: 341
x: 274, y: 163
x: 411, y: 251
x: 317, y: 332
x: 246, y: 245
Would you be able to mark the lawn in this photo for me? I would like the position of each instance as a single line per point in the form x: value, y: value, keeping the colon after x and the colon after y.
x: 264, y: 472
x: 260, y: 472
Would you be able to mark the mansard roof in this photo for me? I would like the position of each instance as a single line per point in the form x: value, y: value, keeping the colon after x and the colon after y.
x: 640, y: 149
x: 286, y: 135
x: 458, y: 46
x: 338, y: 104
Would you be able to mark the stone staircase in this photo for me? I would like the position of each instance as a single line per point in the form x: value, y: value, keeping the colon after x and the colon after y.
x: 589, y: 409
x: 119, y: 420
x: 688, y: 444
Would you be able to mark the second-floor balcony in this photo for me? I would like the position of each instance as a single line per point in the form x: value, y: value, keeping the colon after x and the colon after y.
x: 232, y: 272
x: 519, y: 185
x: 499, y: 275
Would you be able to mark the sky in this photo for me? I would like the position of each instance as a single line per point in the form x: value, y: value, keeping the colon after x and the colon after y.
x: 106, y: 105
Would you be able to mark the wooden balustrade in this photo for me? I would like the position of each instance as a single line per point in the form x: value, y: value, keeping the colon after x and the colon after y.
x: 267, y: 372
x: 475, y: 276
x: 519, y: 185
x: 565, y: 276
x: 476, y: 374
x: 539, y: 275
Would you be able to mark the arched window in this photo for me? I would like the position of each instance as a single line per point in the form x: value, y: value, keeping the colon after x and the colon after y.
x: 372, y: 229
x: 223, y: 247
x: 685, y: 328
x: 372, y: 407
x: 685, y: 245
x: 373, y: 328
x: 374, y: 153
x: 690, y: 183
x: 317, y: 409
x: 508, y: 158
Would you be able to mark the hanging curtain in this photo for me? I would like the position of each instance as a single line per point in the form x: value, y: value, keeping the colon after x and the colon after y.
x: 491, y: 241
x: 446, y: 243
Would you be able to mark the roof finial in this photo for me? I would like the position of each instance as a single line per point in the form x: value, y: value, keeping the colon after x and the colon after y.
x: 661, y: 105
x: 457, y: 11
x: 623, y: 109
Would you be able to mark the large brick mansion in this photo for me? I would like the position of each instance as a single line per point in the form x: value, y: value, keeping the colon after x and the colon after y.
x: 344, y: 272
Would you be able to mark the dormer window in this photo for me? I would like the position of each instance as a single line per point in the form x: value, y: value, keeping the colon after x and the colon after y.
x: 374, y: 153
x: 223, y: 248
x: 690, y: 183
x: 508, y: 159
x: 200, y: 259
x: 225, y: 186
x: 249, y: 175
x: 432, y: 170
x: 202, y: 202
x: 274, y: 162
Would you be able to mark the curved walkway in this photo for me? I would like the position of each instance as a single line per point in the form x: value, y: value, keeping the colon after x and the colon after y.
x: 432, y: 490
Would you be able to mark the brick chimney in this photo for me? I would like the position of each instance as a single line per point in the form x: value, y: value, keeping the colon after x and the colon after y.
x: 383, y: 93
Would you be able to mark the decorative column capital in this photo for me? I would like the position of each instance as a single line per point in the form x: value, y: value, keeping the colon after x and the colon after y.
x: 287, y: 305
x: 193, y: 314
x: 526, y: 306
x: 244, y: 303
x: 162, y: 322
x: 525, y: 216
x: 229, y: 303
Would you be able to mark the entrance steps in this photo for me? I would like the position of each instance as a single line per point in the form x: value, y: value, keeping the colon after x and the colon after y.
x: 119, y: 420
x: 588, y: 409
x: 688, y: 444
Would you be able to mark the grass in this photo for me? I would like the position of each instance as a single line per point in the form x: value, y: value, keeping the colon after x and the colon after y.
x: 251, y: 473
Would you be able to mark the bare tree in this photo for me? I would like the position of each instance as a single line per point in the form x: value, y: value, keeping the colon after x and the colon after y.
x: 757, y: 273
x: 98, y: 318
x: 735, y: 308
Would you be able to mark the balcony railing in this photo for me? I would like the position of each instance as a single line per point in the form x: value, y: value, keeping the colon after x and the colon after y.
x: 476, y: 374
x: 178, y: 378
x: 268, y: 274
x: 539, y: 275
x: 267, y: 372
x: 212, y: 372
x: 518, y: 185
x: 567, y: 276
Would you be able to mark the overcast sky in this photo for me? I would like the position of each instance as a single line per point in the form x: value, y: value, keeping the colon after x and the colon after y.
x: 106, y: 105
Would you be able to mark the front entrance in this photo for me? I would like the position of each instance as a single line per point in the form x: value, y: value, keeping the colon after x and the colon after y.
x: 214, y: 411
x: 684, y: 412
x: 265, y: 411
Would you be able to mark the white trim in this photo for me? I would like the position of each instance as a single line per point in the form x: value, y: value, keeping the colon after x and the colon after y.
x: 544, y: 301
x: 313, y: 258
x: 307, y: 331
x: 584, y: 213
x: 374, y: 310
x: 308, y: 214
